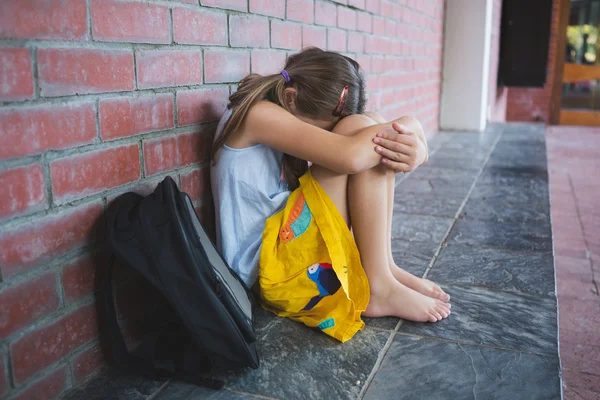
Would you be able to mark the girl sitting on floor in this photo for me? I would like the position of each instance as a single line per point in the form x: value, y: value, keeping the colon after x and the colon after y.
x: 317, y: 238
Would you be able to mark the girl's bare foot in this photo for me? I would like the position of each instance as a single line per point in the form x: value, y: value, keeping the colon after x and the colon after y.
x: 423, y: 286
x: 397, y: 300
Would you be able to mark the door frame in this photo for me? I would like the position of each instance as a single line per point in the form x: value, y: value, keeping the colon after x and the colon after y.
x: 564, y: 9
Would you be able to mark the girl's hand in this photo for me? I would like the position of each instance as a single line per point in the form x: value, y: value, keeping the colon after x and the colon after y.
x: 402, y: 150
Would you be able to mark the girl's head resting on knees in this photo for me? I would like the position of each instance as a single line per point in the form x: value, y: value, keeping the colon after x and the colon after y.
x: 310, y: 87
x: 317, y: 80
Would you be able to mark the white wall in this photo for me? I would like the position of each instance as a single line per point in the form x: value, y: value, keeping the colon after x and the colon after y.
x: 467, y: 41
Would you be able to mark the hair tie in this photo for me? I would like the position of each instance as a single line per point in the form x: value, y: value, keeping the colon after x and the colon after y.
x: 341, y: 104
x: 286, y: 76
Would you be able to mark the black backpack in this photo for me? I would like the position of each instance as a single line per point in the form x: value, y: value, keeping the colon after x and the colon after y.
x: 211, y: 323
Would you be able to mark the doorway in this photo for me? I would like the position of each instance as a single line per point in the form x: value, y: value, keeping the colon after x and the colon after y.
x: 576, y: 92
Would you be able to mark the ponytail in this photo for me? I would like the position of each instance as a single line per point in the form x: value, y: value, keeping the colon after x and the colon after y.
x: 254, y: 88
x: 318, y: 77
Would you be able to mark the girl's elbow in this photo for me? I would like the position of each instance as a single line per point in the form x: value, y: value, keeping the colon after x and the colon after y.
x: 358, y: 164
x: 345, y: 166
x: 354, y: 166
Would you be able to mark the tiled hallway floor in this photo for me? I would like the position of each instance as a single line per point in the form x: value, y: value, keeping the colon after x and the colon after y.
x: 476, y: 219
x: 574, y: 168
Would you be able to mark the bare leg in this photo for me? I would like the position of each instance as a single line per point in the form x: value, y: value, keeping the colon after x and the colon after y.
x: 369, y: 208
x: 423, y: 286
x: 365, y: 196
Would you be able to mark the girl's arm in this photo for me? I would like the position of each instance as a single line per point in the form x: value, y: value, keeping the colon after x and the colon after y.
x: 269, y: 124
x: 411, y: 126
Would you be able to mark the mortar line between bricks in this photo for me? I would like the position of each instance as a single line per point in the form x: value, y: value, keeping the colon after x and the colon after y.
x: 53, y: 155
x: 8, y: 370
x: 48, y: 370
x: 176, y: 106
x: 34, y: 72
x: 73, y: 99
x: 96, y: 45
x: 84, y: 347
x: 97, y: 118
x: 202, y: 59
x: 142, y: 160
x: 171, y: 32
x: 135, y: 70
x: 52, y: 317
x: 462, y: 206
x: 59, y: 287
x: 67, y: 259
x: 88, y: 10
x: 97, y: 197
x: 201, y: 7
x: 39, y: 375
x: 227, y: 30
x: 47, y: 182
x: 50, y: 211
x: 45, y: 267
x: 69, y: 375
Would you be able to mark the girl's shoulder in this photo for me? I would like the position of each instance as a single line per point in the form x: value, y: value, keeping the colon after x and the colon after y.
x: 264, y: 110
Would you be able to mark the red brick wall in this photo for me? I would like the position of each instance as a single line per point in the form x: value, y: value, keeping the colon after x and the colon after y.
x: 100, y: 97
x: 533, y: 104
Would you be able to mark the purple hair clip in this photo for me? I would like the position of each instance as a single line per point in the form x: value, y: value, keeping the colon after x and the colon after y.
x: 286, y: 77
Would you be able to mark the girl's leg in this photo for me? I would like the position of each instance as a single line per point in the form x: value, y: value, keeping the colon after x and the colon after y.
x: 423, y: 286
x: 363, y: 199
x: 368, y: 204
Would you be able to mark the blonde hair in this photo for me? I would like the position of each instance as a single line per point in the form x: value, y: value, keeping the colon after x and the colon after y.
x: 319, y: 78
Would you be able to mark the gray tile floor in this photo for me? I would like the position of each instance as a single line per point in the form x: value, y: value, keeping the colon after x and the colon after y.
x: 476, y: 219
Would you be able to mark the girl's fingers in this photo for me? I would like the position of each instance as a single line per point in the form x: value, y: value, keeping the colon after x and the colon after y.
x: 401, y: 128
x: 409, y: 140
x: 394, y: 146
x: 396, y: 166
x: 393, y: 156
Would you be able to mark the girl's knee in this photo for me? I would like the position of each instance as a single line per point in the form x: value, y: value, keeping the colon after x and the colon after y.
x: 376, y: 117
x: 352, y: 124
x: 377, y: 173
x: 349, y: 126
